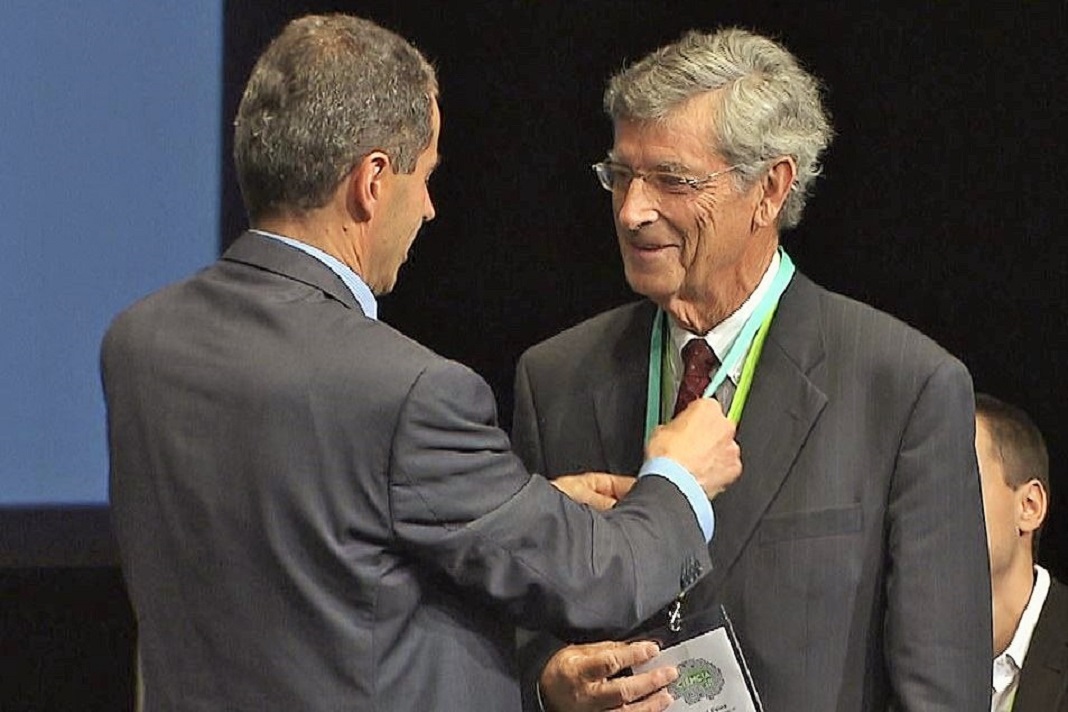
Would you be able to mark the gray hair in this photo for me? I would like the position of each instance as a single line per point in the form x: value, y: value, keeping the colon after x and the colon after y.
x: 326, y: 92
x: 770, y: 108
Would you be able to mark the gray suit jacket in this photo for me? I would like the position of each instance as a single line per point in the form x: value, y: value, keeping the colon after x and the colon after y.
x: 317, y: 513
x: 1044, y: 677
x: 851, y: 554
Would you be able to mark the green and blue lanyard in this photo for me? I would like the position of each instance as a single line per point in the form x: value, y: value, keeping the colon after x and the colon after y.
x: 748, y: 345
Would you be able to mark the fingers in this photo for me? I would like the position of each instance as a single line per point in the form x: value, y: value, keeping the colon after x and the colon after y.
x: 701, y: 439
x: 639, y: 693
x: 657, y: 702
x: 599, y: 501
x: 706, y: 413
x: 599, y: 490
x: 615, y: 486
x: 598, y: 661
x: 583, y: 678
x: 580, y: 488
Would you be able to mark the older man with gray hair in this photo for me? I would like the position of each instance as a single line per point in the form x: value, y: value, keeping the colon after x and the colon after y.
x: 850, y: 557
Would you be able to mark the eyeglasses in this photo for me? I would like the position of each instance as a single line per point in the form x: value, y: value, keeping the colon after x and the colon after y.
x: 615, y: 177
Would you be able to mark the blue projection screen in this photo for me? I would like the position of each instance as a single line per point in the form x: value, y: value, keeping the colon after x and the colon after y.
x: 109, y: 188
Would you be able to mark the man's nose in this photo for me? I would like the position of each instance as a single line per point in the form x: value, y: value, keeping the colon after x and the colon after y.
x: 637, y: 205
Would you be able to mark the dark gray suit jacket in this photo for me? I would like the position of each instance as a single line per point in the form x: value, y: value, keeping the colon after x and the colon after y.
x: 1044, y: 677
x: 851, y: 554
x: 317, y: 513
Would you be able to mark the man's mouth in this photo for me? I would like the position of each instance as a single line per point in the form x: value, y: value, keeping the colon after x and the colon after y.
x: 650, y: 247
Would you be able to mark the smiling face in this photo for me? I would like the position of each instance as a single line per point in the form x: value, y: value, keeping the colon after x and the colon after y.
x: 697, y: 255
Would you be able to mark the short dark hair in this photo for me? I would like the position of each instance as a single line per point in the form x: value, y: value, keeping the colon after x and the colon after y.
x: 325, y: 93
x: 1018, y: 443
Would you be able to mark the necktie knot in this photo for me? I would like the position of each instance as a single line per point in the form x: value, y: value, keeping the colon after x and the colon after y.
x: 697, y: 357
x: 698, y: 361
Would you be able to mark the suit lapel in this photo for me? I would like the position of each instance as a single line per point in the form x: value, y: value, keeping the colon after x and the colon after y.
x: 783, y: 406
x: 619, y: 396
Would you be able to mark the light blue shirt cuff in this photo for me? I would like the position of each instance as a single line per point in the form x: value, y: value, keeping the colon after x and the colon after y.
x: 681, y: 478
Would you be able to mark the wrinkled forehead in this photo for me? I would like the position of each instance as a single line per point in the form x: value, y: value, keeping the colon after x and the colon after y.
x: 684, y: 137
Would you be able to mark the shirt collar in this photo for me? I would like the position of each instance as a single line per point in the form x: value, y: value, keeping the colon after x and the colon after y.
x: 724, y: 333
x: 1007, y: 666
x: 1021, y: 639
x: 360, y: 291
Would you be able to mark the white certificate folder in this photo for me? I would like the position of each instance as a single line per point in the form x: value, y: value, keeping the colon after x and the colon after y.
x: 713, y: 676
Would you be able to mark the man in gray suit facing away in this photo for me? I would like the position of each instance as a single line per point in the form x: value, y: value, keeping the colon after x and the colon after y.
x: 850, y: 558
x: 317, y: 513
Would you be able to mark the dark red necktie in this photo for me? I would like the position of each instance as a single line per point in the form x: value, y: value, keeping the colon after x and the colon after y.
x: 697, y: 364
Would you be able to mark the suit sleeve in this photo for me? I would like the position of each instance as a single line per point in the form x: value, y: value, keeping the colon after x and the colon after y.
x: 533, y: 649
x: 938, y: 621
x: 463, y: 503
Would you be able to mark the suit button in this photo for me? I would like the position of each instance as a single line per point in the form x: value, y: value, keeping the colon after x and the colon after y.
x: 691, y: 572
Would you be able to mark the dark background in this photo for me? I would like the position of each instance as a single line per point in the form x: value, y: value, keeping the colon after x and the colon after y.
x: 943, y: 203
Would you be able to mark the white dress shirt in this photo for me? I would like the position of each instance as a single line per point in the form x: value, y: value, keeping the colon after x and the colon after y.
x: 1007, y: 666
x: 720, y: 339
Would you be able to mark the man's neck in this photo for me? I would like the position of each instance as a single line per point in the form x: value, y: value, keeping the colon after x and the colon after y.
x: 339, y: 239
x: 723, y: 296
x: 1011, y: 592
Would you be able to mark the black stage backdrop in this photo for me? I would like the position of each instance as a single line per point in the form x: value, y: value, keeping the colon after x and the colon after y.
x: 943, y: 199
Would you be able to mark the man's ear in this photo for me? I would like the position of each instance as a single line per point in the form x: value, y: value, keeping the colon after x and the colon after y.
x: 1032, y: 503
x: 365, y: 185
x: 776, y: 185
